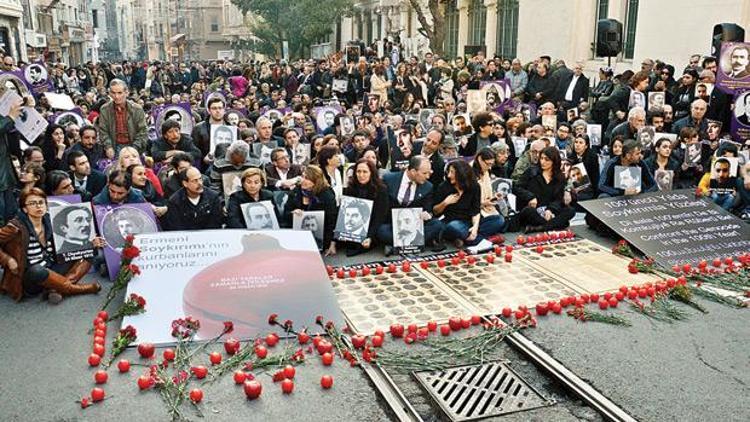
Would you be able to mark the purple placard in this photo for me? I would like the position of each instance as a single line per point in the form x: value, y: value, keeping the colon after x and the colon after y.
x: 733, y: 73
x: 500, y: 89
x: 37, y: 78
x: 117, y: 221
x: 14, y: 80
x: 62, y: 200
x: 64, y: 118
x: 324, y: 116
x: 180, y: 112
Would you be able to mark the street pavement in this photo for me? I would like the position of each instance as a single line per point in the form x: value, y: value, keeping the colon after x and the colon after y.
x: 693, y: 370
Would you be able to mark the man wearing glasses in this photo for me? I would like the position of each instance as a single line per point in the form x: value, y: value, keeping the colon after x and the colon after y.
x: 281, y: 174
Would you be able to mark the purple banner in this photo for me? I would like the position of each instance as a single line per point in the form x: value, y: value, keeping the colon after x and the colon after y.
x: 179, y: 112
x: 740, y: 123
x: 15, y: 81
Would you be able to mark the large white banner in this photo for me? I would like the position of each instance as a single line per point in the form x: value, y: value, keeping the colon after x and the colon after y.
x: 230, y: 275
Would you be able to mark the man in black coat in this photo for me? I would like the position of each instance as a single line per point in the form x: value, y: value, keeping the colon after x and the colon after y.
x: 86, y: 181
x: 573, y: 89
x: 411, y: 189
x: 186, y: 214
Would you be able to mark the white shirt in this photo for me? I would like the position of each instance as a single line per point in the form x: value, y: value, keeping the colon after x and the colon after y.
x: 569, y: 92
x: 282, y: 176
x: 405, y: 181
x: 80, y: 183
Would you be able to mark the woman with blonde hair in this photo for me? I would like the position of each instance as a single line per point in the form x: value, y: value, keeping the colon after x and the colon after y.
x: 129, y: 156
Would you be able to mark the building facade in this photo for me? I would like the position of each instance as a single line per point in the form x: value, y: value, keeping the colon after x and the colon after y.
x: 12, y: 30
x: 670, y: 30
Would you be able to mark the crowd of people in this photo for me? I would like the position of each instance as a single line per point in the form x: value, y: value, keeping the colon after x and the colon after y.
x: 404, y: 134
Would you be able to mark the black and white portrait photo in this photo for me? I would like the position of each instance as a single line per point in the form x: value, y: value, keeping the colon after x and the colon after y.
x: 179, y: 114
x: 656, y: 100
x: 260, y: 215
x: 408, y: 229
x: 549, y: 121
x: 594, y: 131
x: 502, y: 187
x: 425, y: 118
x: 353, y: 219
x: 301, y: 154
x: 627, y: 177
x: 637, y: 99
x: 347, y: 125
x: 68, y: 118
x: 35, y: 74
x: 263, y: 151
x: 693, y: 154
x: 311, y: 221
x: 124, y: 221
x: 742, y: 108
x: 646, y: 136
x: 325, y: 118
x: 462, y: 125
x: 664, y: 179
x: 231, y: 182
x: 73, y: 227
x: 222, y: 134
x: 735, y: 61
x: 578, y: 178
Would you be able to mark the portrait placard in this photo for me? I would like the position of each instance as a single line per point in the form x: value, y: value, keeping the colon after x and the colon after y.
x: 627, y: 177
x: 260, y: 215
x: 222, y: 134
x: 664, y: 179
x: 578, y: 179
x: 73, y: 231
x: 231, y: 182
x: 734, y: 67
x: 594, y: 132
x: 312, y: 221
x: 353, y: 220
x: 476, y: 102
x: 408, y: 230
x: 656, y: 100
x: 179, y: 112
x: 116, y: 222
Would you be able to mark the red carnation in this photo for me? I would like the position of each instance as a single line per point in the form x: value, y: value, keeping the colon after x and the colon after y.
x: 131, y: 252
x: 228, y: 327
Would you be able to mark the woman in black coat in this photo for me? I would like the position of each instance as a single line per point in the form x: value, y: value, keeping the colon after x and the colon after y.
x: 459, y: 201
x: 252, y: 181
x: 315, y: 194
x: 366, y: 184
x: 546, y: 203
x: 582, y: 153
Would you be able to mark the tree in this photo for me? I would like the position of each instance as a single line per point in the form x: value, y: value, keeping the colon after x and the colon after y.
x: 433, y: 29
x: 299, y: 22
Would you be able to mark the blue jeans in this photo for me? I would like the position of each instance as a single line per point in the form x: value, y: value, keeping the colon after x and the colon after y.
x: 460, y: 229
x: 724, y: 200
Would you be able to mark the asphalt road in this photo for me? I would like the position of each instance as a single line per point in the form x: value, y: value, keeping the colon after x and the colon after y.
x: 694, y: 370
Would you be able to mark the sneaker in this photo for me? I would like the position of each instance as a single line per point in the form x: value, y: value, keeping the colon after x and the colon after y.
x: 54, y: 298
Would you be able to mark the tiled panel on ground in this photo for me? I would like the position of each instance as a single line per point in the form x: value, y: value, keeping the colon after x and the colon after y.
x: 374, y: 302
x: 585, y: 266
x: 491, y: 287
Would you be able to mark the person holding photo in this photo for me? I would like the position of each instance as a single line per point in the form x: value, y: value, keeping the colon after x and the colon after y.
x: 661, y: 158
x: 458, y: 200
x: 582, y: 153
x: 366, y: 184
x: 630, y: 157
x: 314, y: 194
x: 253, y: 182
x: 491, y: 220
x: 720, y: 184
x: 27, y: 255
x: 546, y: 204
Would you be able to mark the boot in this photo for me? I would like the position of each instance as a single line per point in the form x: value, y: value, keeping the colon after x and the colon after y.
x: 78, y: 270
x: 62, y: 285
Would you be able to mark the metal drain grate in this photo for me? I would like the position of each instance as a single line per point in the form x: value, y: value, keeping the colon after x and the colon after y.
x: 479, y: 391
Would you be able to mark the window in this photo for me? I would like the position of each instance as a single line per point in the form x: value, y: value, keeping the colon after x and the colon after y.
x: 631, y: 20
x: 507, y: 28
x: 450, y: 45
x: 95, y: 18
x: 477, y: 22
x: 214, y: 24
